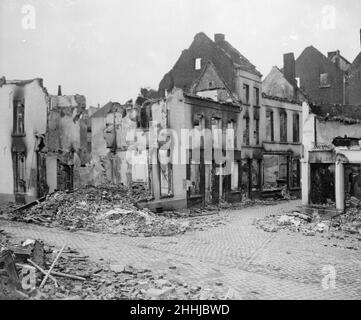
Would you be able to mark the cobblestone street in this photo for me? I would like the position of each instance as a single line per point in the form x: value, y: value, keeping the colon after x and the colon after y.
x: 249, y: 263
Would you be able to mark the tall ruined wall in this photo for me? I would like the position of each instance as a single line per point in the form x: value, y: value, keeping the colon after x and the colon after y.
x: 35, y: 106
x: 111, y: 138
x: 66, y: 139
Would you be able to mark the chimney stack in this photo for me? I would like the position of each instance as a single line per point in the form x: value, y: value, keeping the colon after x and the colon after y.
x: 59, y: 90
x: 289, y: 68
x: 219, y: 37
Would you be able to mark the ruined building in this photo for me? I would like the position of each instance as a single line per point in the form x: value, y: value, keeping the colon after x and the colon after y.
x: 39, y: 135
x: 282, y: 116
x: 24, y: 106
x: 155, y: 144
x: 219, y: 62
x: 353, y: 81
x: 331, y: 163
x: 66, y: 141
x: 321, y: 77
x: 329, y: 80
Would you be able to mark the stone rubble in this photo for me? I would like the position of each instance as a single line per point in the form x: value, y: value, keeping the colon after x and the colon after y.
x: 110, y: 209
x: 348, y: 223
x: 100, y: 281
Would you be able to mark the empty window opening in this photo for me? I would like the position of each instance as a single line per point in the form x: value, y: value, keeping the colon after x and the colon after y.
x: 256, y: 126
x: 235, y: 176
x: 65, y: 176
x: 296, y: 173
x: 352, y: 181
x: 296, y: 128
x: 246, y: 93
x: 323, y: 184
x: 324, y: 80
x: 269, y: 126
x: 19, y: 164
x: 19, y: 114
x: 256, y: 96
x: 283, y: 126
x: 165, y: 170
x: 246, y: 131
x: 198, y: 64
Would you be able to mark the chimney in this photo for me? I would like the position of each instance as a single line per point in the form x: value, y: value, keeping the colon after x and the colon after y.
x: 59, y: 90
x: 219, y: 37
x: 289, y: 67
x: 331, y: 54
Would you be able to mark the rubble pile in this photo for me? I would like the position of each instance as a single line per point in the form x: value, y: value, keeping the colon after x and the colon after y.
x: 101, y: 209
x: 350, y: 222
x: 24, y: 267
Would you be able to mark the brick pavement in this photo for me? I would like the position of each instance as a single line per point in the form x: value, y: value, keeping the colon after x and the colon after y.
x: 255, y: 264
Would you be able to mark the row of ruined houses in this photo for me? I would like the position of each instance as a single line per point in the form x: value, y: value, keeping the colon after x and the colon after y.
x: 214, y: 131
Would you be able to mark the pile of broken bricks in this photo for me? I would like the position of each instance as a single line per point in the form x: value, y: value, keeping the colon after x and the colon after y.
x: 112, y: 209
x: 65, y: 274
x: 310, y: 225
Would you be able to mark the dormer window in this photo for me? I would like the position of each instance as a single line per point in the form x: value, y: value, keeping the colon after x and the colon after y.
x: 198, y: 63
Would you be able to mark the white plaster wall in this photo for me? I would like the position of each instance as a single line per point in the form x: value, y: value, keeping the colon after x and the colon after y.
x: 6, y: 126
x: 35, y: 122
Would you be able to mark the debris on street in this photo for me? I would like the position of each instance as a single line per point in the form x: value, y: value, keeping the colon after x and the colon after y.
x: 65, y: 274
x: 109, y: 209
x: 114, y: 209
x: 349, y: 222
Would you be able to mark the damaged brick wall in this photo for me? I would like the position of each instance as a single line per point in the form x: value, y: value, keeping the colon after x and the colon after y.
x: 66, y: 139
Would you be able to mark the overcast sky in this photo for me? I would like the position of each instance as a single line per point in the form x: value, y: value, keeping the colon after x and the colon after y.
x: 108, y: 49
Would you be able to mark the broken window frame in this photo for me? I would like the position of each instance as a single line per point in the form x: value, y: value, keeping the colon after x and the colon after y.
x: 18, y: 117
x: 296, y: 128
x: 195, y: 181
x: 283, y: 126
x: 231, y: 125
x: 169, y: 173
x: 256, y: 121
x: 197, y: 63
x: 322, y: 188
x: 270, y: 124
x: 66, y: 172
x: 256, y: 167
x: 246, y: 135
x: 324, y: 80
x: 235, y: 179
x: 296, y: 173
x: 246, y: 93
x: 145, y: 116
x: 19, y: 165
x: 256, y: 96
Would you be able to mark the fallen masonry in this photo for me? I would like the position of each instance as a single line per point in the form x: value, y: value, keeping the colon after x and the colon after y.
x: 76, y: 277
x: 115, y: 209
x: 347, y: 223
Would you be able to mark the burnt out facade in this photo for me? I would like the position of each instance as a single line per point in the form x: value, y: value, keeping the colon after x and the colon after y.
x: 41, y: 135
x: 332, y: 156
x: 282, y: 118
